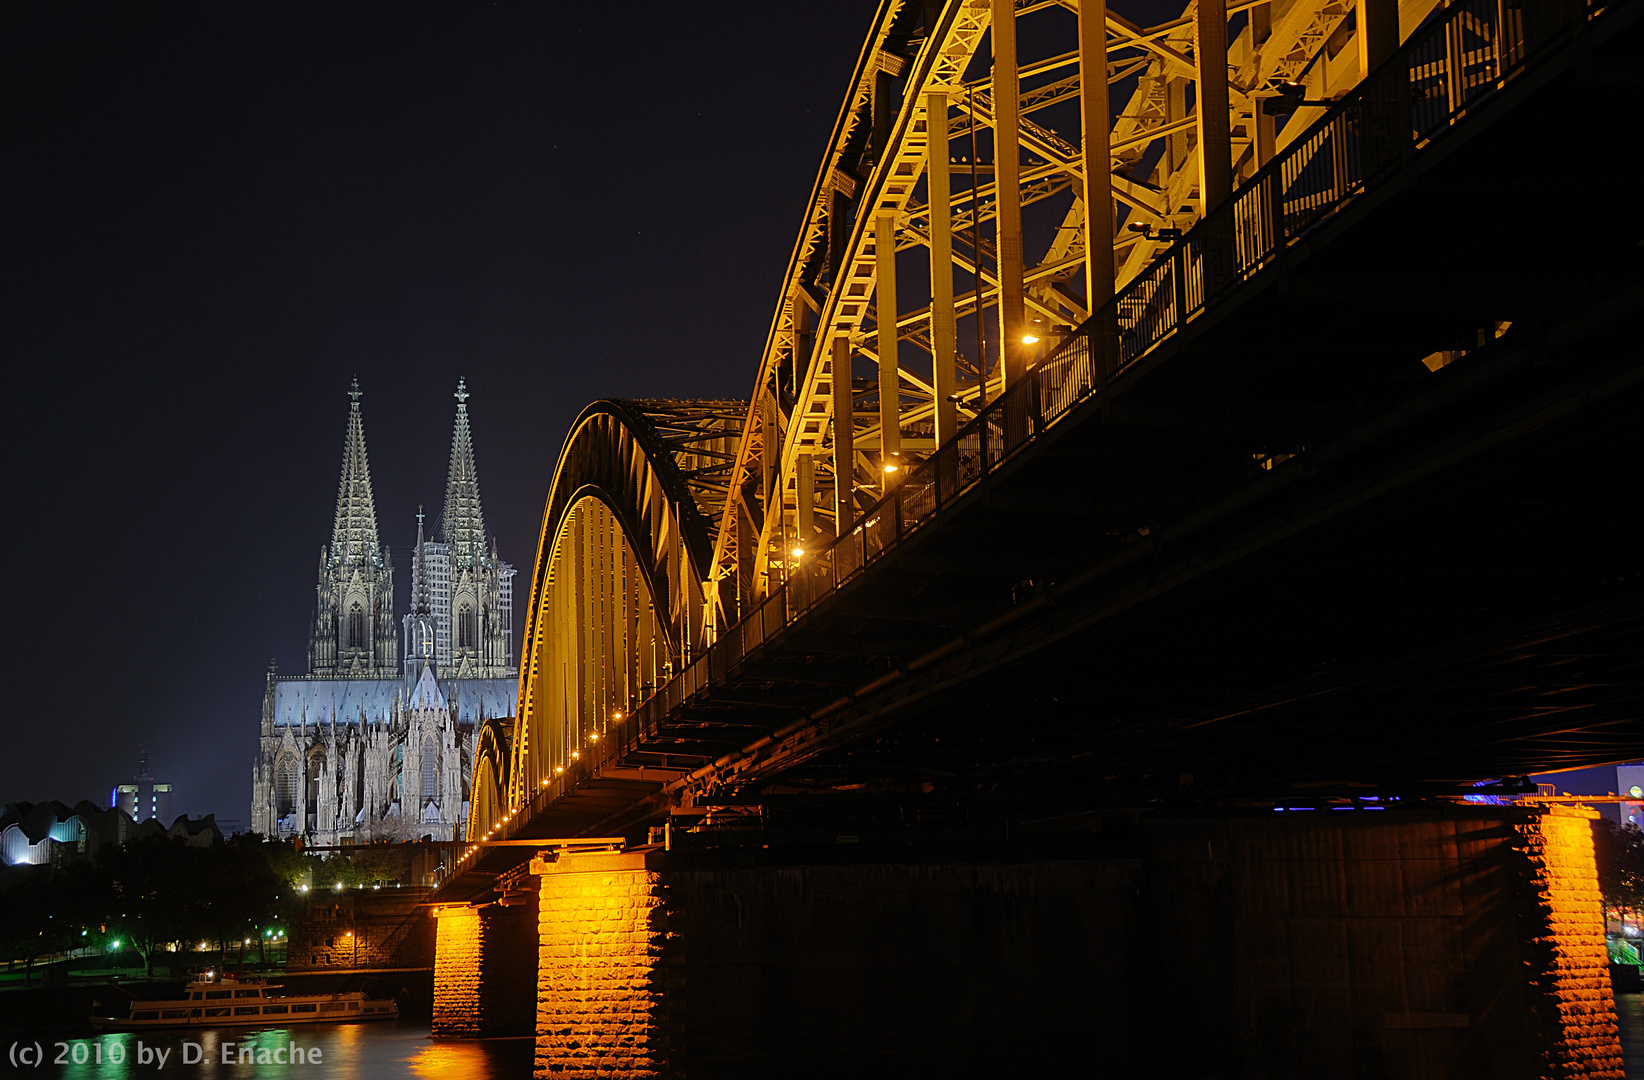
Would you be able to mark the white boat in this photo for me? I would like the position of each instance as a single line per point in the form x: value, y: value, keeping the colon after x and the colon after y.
x: 229, y: 1002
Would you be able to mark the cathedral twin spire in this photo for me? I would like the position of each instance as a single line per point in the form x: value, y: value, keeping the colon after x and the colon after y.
x: 353, y: 626
x: 462, y: 523
x: 354, y: 536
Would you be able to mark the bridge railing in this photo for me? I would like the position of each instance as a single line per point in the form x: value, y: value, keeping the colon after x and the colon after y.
x: 1465, y: 53
x: 1469, y: 50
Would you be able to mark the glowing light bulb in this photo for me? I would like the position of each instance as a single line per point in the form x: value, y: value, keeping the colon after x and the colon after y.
x: 1030, y: 339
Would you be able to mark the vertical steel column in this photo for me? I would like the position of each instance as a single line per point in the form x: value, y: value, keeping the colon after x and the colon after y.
x: 611, y: 576
x: 1096, y: 121
x: 1261, y: 28
x: 586, y: 577
x: 647, y: 643
x: 1215, y: 143
x: 805, y: 499
x: 939, y: 194
x: 630, y: 643
x: 770, y: 452
x: 890, y: 376
x: 1454, y: 63
x: 1378, y: 33
x: 1007, y: 166
x: 571, y: 652
x: 1176, y: 109
x: 844, y: 437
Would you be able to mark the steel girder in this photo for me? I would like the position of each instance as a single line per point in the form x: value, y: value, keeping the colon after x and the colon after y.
x: 876, y: 162
x: 621, y: 574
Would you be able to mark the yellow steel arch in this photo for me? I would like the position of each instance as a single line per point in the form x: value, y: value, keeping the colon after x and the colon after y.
x: 488, y: 790
x: 620, y: 582
x: 959, y: 164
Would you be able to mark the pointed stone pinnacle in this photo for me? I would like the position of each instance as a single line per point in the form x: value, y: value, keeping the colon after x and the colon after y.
x: 354, y: 534
x: 462, y: 523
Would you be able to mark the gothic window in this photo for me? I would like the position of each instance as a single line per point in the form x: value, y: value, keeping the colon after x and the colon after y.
x: 356, y: 627
x: 465, y: 628
x: 430, y: 770
x: 285, y: 787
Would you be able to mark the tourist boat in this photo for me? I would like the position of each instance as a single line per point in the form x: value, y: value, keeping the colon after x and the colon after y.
x: 231, y: 1002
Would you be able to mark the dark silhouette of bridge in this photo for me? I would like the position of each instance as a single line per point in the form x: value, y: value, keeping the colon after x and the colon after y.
x: 1333, y: 502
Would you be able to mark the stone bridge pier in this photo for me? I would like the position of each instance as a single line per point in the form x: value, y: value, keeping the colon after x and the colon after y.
x: 1440, y: 941
x: 485, y: 967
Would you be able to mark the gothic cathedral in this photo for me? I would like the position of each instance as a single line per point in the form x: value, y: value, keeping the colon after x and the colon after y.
x: 364, y: 747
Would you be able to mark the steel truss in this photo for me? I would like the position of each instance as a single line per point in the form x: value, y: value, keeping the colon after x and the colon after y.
x: 669, y: 521
x: 784, y: 497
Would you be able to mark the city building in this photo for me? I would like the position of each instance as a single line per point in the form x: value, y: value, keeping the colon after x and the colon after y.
x: 376, y: 741
x: 54, y: 833
x: 144, y: 797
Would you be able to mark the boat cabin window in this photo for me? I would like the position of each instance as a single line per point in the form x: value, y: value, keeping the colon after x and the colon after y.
x: 173, y: 1014
x: 310, y: 1007
x: 248, y: 993
x: 245, y: 1010
x: 219, y: 993
x: 194, y: 996
x: 353, y: 1006
x: 218, y: 1012
x: 150, y: 1015
x: 269, y: 1010
x: 331, y: 1006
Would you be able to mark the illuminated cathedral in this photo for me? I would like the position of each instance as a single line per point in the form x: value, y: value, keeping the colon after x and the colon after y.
x: 368, y: 746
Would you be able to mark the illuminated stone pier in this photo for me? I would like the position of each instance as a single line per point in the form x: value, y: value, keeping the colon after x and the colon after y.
x: 1439, y: 941
x: 485, y: 968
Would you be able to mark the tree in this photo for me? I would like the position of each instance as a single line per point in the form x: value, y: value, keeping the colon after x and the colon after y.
x: 150, y: 893
x: 1619, y: 852
x: 47, y: 913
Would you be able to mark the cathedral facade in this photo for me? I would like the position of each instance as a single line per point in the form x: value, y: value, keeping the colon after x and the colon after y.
x: 376, y: 741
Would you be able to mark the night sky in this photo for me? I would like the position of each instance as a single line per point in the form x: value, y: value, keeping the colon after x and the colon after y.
x: 217, y: 214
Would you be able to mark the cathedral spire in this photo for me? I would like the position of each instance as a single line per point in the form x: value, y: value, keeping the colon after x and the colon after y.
x: 462, y: 525
x: 354, y: 536
x: 420, y: 598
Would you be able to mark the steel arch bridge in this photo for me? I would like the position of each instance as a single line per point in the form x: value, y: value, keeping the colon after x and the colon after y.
x: 999, y: 170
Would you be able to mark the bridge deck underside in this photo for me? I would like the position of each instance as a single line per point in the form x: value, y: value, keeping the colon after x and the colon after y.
x: 1442, y: 581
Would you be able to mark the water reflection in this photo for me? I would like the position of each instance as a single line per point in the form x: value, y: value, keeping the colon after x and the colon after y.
x: 1629, y: 1011
x: 343, y: 1051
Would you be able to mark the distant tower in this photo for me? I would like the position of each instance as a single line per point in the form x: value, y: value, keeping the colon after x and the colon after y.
x: 353, y: 635
x: 144, y: 797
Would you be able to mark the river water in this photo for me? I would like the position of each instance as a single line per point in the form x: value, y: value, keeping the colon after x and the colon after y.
x: 373, y: 1051
x: 341, y: 1051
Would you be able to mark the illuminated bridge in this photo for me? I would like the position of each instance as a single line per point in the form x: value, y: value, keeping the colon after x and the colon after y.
x: 1159, y: 427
